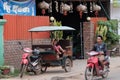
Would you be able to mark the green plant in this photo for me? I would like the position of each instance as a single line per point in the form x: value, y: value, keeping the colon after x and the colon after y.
x: 109, y: 33
x: 102, y: 29
x: 5, y: 70
x: 57, y: 34
x: 69, y: 38
x: 16, y: 73
x: 4, y: 67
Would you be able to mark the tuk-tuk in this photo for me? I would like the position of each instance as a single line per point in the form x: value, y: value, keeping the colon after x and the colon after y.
x: 48, y: 55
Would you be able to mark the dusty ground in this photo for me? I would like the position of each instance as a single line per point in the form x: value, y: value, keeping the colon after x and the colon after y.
x: 77, y: 73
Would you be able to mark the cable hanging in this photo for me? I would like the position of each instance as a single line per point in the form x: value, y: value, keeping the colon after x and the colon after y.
x: 108, y: 17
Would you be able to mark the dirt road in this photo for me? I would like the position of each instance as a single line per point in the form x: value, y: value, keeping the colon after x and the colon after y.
x: 77, y: 73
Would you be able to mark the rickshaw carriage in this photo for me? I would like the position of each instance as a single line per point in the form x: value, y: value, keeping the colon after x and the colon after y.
x: 48, y: 55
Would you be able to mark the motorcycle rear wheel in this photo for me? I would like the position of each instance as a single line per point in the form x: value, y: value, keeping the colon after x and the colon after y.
x: 23, y: 68
x: 89, y: 73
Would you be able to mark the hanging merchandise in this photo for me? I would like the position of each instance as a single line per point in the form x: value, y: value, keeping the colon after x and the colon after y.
x: 91, y: 6
x: 50, y: 7
x: 96, y: 8
x: 65, y: 8
x: 56, y: 6
x: 71, y: 7
x: 81, y: 8
x: 44, y: 6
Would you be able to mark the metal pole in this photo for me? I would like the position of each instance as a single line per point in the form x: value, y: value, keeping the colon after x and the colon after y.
x: 81, y: 41
x: 31, y: 40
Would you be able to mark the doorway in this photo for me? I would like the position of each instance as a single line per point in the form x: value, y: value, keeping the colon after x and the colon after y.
x: 74, y: 20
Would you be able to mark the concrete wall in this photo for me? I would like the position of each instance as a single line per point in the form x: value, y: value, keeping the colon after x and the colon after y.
x: 115, y: 14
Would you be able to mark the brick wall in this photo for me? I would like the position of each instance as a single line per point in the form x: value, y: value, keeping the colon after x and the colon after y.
x: 13, y: 53
x: 88, y: 34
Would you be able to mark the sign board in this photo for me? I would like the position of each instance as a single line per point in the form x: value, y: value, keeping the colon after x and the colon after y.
x: 19, y: 7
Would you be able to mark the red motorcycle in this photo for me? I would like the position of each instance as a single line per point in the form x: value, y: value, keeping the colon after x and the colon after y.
x: 29, y: 63
x: 94, y: 68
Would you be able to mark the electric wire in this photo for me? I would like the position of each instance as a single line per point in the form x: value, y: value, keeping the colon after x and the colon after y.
x: 108, y: 17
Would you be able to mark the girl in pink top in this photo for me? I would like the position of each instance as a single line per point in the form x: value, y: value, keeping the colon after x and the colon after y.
x: 59, y: 50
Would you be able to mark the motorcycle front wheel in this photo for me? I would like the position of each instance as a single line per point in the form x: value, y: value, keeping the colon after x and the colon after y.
x: 37, y: 70
x: 106, y: 71
x: 22, y: 70
x: 44, y: 68
x: 68, y: 65
x: 89, y: 73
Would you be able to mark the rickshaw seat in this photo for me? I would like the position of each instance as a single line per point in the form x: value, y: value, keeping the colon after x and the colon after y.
x: 49, y: 55
x: 47, y: 52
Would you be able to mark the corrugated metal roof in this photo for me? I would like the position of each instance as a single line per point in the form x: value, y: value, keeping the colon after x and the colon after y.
x: 16, y: 27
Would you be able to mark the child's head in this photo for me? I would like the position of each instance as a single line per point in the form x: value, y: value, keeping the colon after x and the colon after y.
x: 55, y: 41
x: 99, y: 39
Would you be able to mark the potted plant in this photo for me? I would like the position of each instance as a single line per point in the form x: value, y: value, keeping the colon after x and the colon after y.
x: 5, y: 69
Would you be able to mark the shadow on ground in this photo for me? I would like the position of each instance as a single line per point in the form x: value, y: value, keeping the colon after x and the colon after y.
x: 76, y: 77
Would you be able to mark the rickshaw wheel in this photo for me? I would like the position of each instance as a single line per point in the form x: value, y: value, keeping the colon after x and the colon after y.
x: 43, y: 68
x: 68, y: 65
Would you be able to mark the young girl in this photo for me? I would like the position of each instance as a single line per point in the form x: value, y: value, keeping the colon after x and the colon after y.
x: 58, y: 49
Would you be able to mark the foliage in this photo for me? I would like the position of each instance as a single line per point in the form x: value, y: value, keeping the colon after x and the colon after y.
x: 4, y: 67
x: 102, y: 29
x: 69, y: 38
x: 16, y: 73
x: 109, y: 33
x: 57, y: 34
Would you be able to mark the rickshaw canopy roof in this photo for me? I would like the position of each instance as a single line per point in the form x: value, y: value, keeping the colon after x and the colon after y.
x: 50, y: 28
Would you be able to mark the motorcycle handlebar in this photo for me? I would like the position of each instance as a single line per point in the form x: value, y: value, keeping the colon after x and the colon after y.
x: 92, y: 53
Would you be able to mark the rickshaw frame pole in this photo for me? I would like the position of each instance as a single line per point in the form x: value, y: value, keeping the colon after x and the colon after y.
x: 31, y: 40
